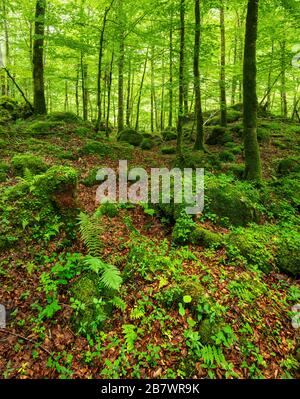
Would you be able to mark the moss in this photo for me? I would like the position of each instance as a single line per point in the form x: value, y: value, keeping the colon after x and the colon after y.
x: 206, y: 330
x: 168, y: 150
x: 288, y: 254
x: 194, y: 289
x: 41, y: 128
x: 67, y: 117
x: 233, y: 115
x: 83, y: 131
x: 147, y: 144
x: 59, y: 183
x: 256, y: 245
x: 31, y: 162
x: 233, y: 200
x: 84, y: 290
x: 170, y: 297
x: 263, y: 134
x: 130, y: 136
x: 288, y: 165
x: 206, y: 238
x: 216, y: 136
x: 169, y: 134
x: 93, y: 147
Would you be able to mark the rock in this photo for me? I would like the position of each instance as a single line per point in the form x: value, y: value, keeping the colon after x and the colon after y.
x: 130, y: 136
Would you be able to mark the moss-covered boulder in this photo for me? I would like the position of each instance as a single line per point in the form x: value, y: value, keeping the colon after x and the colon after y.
x: 207, y: 330
x: 59, y: 184
x: 194, y: 289
x: 168, y: 150
x: 67, y: 117
x: 130, y: 136
x: 206, y: 238
x: 30, y: 162
x: 94, y: 147
x: 288, y: 253
x: 235, y: 201
x: 147, y: 144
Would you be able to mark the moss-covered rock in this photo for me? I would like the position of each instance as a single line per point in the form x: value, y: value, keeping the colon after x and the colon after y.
x: 93, y: 147
x: 206, y: 238
x: 147, y: 144
x: 288, y: 253
x: 31, y: 162
x: 233, y: 200
x: 194, y: 289
x: 227, y: 156
x: 206, y: 330
x: 67, y: 117
x: 130, y: 136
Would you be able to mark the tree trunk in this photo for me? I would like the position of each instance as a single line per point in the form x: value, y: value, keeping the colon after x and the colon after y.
x: 252, y: 154
x: 140, y: 93
x: 100, y: 65
x: 181, y: 80
x: 171, y: 75
x: 109, y: 95
x: 39, y: 102
x: 162, y: 107
x: 128, y: 95
x: 223, y: 107
x: 84, y: 72
x: 284, y: 110
x: 199, y: 143
x: 121, y: 71
x: 152, y: 91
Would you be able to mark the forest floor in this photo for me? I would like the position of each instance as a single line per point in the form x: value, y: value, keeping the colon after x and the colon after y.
x: 249, y: 331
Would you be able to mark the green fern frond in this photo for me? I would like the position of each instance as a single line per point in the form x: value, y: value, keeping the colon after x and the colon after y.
x: 111, y: 278
x: 118, y: 303
x: 90, y: 232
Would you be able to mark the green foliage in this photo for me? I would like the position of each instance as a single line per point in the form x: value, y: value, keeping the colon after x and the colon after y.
x: 288, y: 165
x: 227, y: 156
x: 91, y: 229
x: 4, y: 168
x: 31, y: 162
x: 109, y: 209
x: 288, y: 254
x: 169, y: 134
x: 168, y: 150
x: 93, y: 147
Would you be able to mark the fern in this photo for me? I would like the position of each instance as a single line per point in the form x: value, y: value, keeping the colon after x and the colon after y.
x: 130, y: 335
x: 109, y: 274
x: 90, y: 232
x: 118, y: 303
x: 212, y: 356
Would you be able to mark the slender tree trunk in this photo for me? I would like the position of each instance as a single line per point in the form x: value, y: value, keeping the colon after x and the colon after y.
x: 199, y: 143
x: 252, y: 153
x: 152, y: 91
x: 101, y: 40
x: 77, y: 90
x: 162, y: 108
x: 5, y: 80
x: 66, y: 105
x: 284, y: 108
x: 269, y: 88
x: 84, y: 73
x: 128, y: 95
x: 38, y: 59
x: 109, y: 94
x: 171, y: 74
x: 140, y: 93
x: 223, y: 106
x: 121, y: 71
x: 181, y: 79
